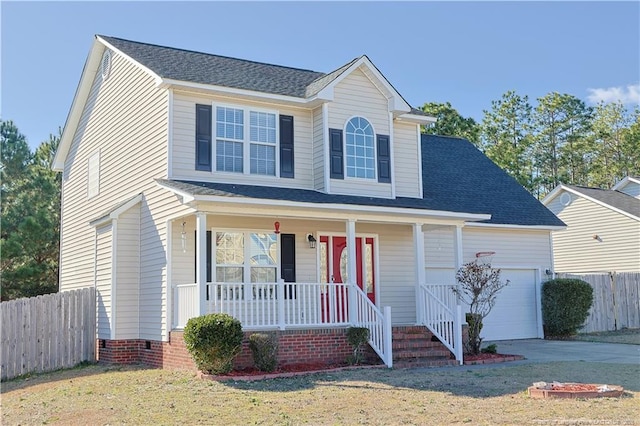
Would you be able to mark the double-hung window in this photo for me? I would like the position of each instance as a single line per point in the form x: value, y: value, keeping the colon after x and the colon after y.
x: 246, y: 257
x: 246, y: 141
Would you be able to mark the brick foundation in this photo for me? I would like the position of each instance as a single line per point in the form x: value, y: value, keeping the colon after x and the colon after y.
x: 324, y: 346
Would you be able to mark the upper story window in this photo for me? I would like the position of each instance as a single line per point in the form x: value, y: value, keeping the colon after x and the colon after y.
x: 236, y: 148
x: 244, y: 140
x: 360, y: 149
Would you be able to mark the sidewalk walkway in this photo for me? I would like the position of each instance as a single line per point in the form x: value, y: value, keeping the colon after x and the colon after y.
x: 539, y: 350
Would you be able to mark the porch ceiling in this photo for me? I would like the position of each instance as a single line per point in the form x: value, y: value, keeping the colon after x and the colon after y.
x: 252, y: 200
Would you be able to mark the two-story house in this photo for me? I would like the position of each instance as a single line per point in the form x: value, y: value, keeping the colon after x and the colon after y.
x: 294, y: 200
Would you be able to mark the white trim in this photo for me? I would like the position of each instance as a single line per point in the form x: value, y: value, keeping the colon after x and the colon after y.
x: 114, y: 214
x: 397, y: 103
x: 246, y: 140
x: 374, y: 179
x: 624, y: 183
x: 170, y: 118
x: 129, y: 59
x: 458, y: 252
x: 553, y: 194
x: 327, y: 147
x: 89, y: 73
x: 538, y: 290
x: 345, y: 207
x: 392, y: 168
x: 506, y: 226
x: 201, y: 264
x: 440, y: 214
x: 169, y: 289
x: 241, y: 93
x: 420, y: 177
x: 420, y: 268
x: 415, y: 118
x: 114, y: 276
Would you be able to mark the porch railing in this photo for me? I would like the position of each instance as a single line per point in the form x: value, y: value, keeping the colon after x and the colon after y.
x: 440, y: 312
x: 379, y: 324
x: 289, y: 305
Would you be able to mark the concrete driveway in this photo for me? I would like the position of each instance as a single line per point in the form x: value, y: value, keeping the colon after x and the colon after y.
x: 539, y: 350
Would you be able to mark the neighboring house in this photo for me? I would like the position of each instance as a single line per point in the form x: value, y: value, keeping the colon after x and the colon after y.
x: 196, y: 183
x: 603, y: 227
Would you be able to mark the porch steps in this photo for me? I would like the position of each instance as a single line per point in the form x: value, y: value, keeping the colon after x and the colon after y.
x: 414, y: 346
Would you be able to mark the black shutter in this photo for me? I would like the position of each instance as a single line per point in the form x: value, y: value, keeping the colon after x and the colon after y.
x: 286, y: 146
x: 336, y: 162
x: 203, y: 137
x: 288, y: 263
x: 384, y: 159
x: 208, y: 261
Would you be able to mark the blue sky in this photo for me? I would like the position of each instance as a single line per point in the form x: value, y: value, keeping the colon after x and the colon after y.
x: 467, y: 53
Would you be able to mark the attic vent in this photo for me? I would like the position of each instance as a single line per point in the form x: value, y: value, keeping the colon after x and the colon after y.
x: 105, y: 64
x: 565, y: 199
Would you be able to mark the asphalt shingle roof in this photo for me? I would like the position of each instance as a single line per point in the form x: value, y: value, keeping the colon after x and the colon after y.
x: 617, y: 199
x: 205, y: 68
x: 457, y: 177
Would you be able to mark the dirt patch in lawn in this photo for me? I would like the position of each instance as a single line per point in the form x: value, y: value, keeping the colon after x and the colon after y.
x: 99, y: 394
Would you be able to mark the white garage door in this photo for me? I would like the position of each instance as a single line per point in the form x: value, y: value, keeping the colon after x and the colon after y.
x: 515, y: 314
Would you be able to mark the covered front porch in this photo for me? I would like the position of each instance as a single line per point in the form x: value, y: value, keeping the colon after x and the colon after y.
x: 302, y: 262
x: 285, y: 273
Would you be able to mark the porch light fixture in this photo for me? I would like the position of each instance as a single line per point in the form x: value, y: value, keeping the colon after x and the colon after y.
x: 312, y: 241
x: 183, y: 238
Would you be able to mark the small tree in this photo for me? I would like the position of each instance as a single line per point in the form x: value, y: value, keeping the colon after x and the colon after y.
x: 479, y: 285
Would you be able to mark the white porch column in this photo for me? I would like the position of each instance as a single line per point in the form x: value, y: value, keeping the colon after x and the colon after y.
x: 418, y: 249
x: 352, y: 268
x: 201, y: 261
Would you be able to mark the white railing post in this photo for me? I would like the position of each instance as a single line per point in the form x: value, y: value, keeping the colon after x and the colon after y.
x: 388, y: 346
x: 418, y: 248
x: 458, y: 334
x: 352, y: 304
x: 280, y: 301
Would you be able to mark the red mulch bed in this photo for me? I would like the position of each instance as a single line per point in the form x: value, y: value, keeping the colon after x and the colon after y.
x: 489, y: 358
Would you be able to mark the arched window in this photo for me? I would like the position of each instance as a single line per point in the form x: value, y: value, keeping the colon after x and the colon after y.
x: 360, y: 149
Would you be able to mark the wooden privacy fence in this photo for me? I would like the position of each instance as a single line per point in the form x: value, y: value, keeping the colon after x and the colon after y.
x: 47, y: 332
x: 616, y: 300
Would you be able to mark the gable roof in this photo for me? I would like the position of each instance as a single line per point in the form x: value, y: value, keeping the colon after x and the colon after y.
x: 610, y: 198
x: 626, y: 181
x: 216, y: 70
x: 457, y: 178
x: 180, y: 67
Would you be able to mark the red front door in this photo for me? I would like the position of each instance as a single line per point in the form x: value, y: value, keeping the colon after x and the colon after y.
x: 335, y: 264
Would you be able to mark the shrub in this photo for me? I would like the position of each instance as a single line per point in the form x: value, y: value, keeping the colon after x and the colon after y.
x: 264, y: 348
x: 490, y: 349
x: 213, y: 341
x: 565, y: 306
x: 357, y: 337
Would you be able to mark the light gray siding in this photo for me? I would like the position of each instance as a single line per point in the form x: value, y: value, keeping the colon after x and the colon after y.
x: 354, y: 96
x: 183, y: 143
x: 125, y: 118
x: 103, y: 274
x: 631, y: 188
x: 617, y: 247
x: 127, y: 285
x: 406, y: 158
x: 319, y: 146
